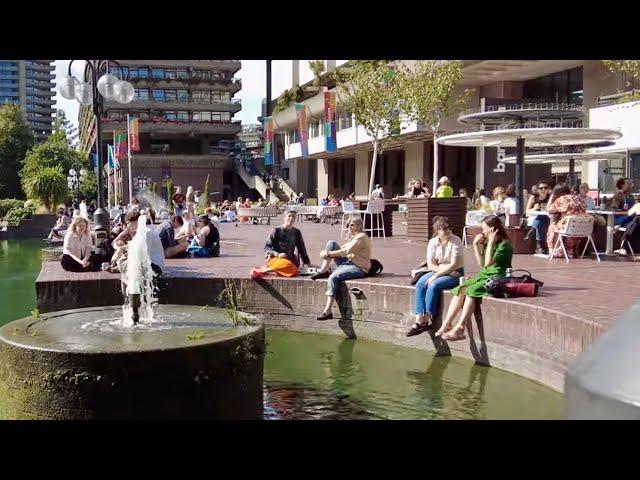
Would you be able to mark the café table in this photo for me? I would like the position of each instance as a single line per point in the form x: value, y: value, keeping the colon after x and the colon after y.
x: 610, y: 214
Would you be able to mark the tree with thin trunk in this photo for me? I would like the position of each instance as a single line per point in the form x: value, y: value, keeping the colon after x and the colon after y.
x: 429, y: 95
x: 369, y: 89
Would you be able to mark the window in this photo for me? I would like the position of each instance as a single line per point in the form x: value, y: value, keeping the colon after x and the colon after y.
x: 170, y: 95
x: 142, y: 94
x: 138, y: 72
x: 183, y: 116
x: 170, y: 115
x: 159, y: 148
x: 634, y: 170
x: 182, y: 73
x: 344, y: 120
x: 315, y: 128
x: 158, y: 96
x: 157, y: 72
x: 201, y: 96
x: 183, y: 95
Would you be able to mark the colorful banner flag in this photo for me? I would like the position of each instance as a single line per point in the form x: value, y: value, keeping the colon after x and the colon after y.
x: 330, y: 140
x: 268, y: 141
x: 94, y: 162
x: 134, y: 134
x: 303, y: 132
x: 111, y: 160
x: 121, y: 146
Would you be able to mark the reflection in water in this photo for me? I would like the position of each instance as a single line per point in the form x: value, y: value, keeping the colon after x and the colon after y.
x: 310, y: 376
x: 20, y: 262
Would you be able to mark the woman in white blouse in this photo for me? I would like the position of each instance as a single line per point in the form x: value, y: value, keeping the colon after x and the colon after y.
x: 76, y: 249
x: 445, y: 259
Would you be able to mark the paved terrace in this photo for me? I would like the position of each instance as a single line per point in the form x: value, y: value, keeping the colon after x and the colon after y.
x: 536, y: 337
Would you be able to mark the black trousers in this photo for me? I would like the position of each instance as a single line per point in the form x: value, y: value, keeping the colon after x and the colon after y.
x: 633, y: 229
x: 70, y: 265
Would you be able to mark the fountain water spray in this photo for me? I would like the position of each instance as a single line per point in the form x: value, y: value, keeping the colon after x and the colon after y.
x: 139, y: 277
x: 154, y: 201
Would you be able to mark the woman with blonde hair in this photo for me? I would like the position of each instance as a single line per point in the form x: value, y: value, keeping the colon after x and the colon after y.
x: 353, y: 260
x: 76, y: 250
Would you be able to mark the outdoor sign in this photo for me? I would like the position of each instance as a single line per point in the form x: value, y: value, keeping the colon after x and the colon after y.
x: 330, y: 140
x: 303, y: 132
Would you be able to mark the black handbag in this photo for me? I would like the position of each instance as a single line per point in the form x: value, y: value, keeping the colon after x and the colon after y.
x: 514, y: 285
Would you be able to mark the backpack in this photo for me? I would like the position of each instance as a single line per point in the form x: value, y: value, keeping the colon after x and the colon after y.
x: 376, y: 268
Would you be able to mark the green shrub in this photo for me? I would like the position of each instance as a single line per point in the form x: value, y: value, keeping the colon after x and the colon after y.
x: 48, y: 185
x: 14, y: 216
x: 7, y: 204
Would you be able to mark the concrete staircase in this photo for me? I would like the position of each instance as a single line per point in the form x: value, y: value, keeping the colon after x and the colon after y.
x: 282, y: 192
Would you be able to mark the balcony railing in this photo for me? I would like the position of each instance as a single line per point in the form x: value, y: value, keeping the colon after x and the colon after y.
x: 608, y: 100
x: 164, y: 121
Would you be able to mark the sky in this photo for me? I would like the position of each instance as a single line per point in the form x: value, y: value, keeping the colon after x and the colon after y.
x: 252, y: 73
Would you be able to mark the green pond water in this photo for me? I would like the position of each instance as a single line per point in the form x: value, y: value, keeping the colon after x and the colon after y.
x: 311, y: 376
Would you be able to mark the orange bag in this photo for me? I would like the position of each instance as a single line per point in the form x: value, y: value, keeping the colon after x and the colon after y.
x: 282, y: 267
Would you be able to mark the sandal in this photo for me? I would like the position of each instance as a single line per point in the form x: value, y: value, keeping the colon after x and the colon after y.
x: 453, y: 335
x: 418, y: 328
x: 444, y: 332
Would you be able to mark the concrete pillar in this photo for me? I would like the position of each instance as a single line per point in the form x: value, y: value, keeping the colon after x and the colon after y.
x: 413, y: 161
x: 362, y: 174
x: 323, y: 178
x: 295, y: 72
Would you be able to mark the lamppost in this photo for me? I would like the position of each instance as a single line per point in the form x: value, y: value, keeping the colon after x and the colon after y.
x: 97, y: 85
x: 75, y: 178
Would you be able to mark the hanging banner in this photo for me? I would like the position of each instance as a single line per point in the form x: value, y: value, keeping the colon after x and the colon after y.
x: 303, y: 131
x: 134, y: 134
x: 121, y: 146
x: 268, y: 141
x: 330, y: 141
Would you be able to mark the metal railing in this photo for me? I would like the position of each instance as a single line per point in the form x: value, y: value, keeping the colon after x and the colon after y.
x: 525, y: 105
x: 615, y: 98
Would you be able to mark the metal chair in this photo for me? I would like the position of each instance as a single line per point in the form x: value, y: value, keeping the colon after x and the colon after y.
x: 576, y: 227
x: 473, y: 219
x: 626, y: 240
x: 375, y: 208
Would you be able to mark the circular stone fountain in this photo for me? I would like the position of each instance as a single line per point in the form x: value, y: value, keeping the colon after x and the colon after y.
x: 189, y: 362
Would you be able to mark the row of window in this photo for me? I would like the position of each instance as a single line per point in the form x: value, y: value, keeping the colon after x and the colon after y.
x: 170, y: 73
x: 170, y: 95
x: 8, y: 81
x: 316, y: 127
x: 171, y: 116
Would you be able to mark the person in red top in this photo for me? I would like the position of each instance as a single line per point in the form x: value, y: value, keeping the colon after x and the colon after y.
x: 178, y: 200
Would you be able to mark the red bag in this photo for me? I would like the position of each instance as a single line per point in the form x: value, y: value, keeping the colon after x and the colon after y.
x: 513, y: 289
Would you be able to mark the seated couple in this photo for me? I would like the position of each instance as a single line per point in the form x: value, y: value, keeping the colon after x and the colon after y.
x: 205, y: 242
x: 493, y: 252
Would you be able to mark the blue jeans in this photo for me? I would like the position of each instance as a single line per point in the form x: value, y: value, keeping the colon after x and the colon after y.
x: 541, y: 225
x: 428, y: 297
x: 346, y: 270
x: 197, y: 250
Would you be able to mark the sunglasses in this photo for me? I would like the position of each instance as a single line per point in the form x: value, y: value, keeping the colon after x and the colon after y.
x: 543, y: 188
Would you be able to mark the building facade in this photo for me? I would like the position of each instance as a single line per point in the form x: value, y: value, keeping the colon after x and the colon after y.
x: 30, y: 84
x: 185, y: 108
x: 494, y: 83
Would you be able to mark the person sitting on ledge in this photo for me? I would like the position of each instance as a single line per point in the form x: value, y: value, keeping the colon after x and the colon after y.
x: 353, y: 261
x: 62, y: 223
x: 493, y: 251
x: 76, y: 250
x: 285, y: 240
x: 206, y: 242
x: 166, y: 232
x: 130, y: 230
x: 445, y: 259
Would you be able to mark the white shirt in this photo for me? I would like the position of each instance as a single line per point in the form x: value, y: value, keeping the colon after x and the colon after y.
x: 450, y: 252
x: 377, y: 193
x: 496, y: 205
x: 484, y: 200
x: 510, y: 205
x: 76, y: 246
x: 589, y: 202
x: 154, y: 246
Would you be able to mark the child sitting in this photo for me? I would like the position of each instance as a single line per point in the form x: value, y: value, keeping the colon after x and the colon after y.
x: 119, y: 258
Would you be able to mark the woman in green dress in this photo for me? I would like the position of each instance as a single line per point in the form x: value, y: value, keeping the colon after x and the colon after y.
x: 493, y: 251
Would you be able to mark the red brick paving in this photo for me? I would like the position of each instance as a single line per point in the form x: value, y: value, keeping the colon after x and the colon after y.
x: 593, y: 291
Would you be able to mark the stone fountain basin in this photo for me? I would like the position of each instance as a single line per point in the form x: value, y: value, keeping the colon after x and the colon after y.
x: 193, y: 362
